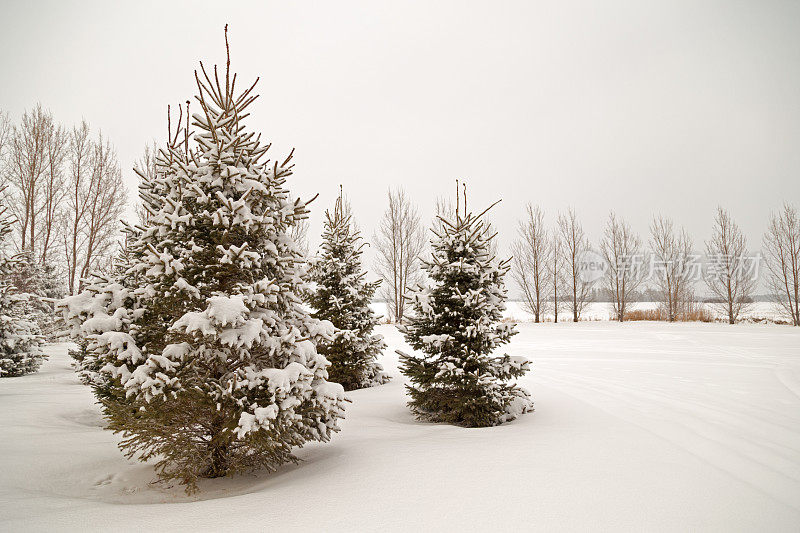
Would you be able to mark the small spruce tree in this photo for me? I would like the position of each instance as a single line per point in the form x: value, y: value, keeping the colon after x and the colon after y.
x: 342, y: 296
x: 20, y: 339
x: 457, y: 325
x: 201, y: 351
x: 37, y: 286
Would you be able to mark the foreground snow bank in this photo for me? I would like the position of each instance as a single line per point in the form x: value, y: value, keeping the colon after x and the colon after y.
x: 640, y: 426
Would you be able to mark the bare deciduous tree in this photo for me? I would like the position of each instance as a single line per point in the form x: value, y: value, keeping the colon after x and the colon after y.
x: 5, y: 137
x: 621, y: 248
x: 672, y: 253
x: 399, y: 242
x: 575, y: 245
x: 729, y: 277
x: 96, y: 200
x: 5, y: 134
x: 53, y: 193
x: 35, y: 181
x: 299, y: 234
x: 530, y: 262
x: 556, y: 272
x: 79, y: 156
x: 63, y: 189
x: 782, y: 254
x: 107, y: 197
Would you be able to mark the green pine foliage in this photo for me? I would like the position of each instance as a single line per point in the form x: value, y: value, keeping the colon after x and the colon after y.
x: 457, y: 325
x: 342, y: 296
x: 199, y: 348
x: 37, y: 285
x: 20, y: 338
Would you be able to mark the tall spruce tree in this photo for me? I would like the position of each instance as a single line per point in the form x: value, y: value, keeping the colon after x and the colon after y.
x: 20, y: 339
x: 342, y: 296
x: 457, y: 325
x: 203, y: 354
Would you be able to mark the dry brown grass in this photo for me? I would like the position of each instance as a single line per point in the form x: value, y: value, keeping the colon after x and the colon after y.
x: 645, y: 314
x: 696, y: 315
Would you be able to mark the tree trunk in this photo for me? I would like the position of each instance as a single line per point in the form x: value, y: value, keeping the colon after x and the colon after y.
x: 555, y: 301
x: 219, y: 451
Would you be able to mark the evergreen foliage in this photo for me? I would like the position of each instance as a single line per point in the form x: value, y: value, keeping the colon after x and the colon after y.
x: 342, y: 296
x: 457, y: 324
x: 20, y: 339
x: 36, y: 286
x: 201, y: 352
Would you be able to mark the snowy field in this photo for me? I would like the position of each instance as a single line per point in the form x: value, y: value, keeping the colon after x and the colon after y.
x: 597, y: 311
x: 602, y: 311
x: 641, y: 426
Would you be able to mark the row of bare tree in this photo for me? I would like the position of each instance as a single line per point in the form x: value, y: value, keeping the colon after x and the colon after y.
x: 556, y: 269
x: 549, y: 265
x: 64, y: 188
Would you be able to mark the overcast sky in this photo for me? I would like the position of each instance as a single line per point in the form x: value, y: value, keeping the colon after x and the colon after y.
x: 643, y: 107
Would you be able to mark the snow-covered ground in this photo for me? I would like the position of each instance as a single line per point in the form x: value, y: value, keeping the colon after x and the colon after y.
x: 603, y: 311
x: 640, y: 426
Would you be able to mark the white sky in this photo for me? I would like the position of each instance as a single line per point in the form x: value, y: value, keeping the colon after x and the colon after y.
x: 642, y: 107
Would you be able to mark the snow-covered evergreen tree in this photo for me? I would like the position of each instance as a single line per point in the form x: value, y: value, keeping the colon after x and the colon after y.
x: 457, y: 325
x: 20, y: 339
x: 342, y: 296
x: 36, y: 286
x: 202, y: 353
x: 20, y: 336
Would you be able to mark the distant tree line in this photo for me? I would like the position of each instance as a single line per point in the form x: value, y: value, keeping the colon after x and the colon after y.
x: 552, y: 266
x: 665, y: 269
